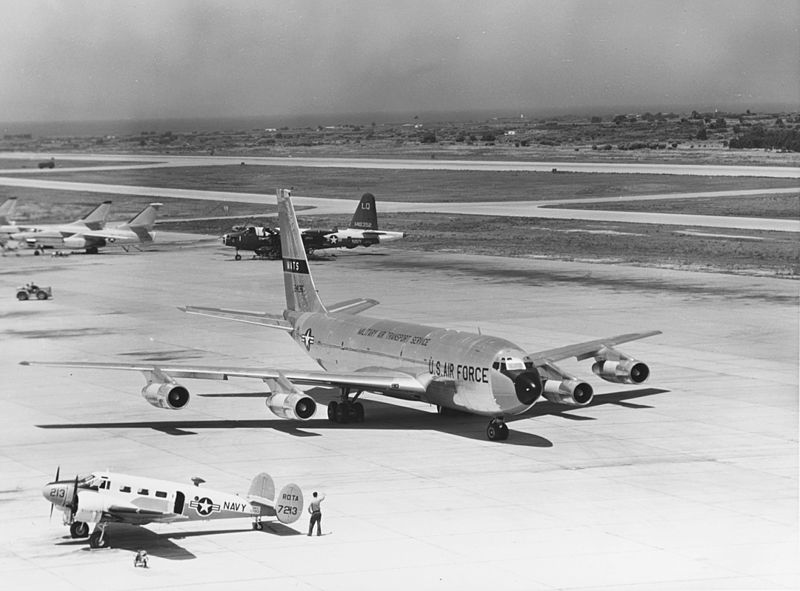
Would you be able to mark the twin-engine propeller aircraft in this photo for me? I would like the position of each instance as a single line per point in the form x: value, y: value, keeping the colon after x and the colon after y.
x: 108, y: 497
x: 90, y: 233
x: 363, y: 231
x: 452, y: 369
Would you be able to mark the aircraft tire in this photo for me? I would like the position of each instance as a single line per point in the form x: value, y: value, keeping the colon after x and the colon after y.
x: 79, y: 529
x: 359, y: 412
x: 496, y: 431
x: 332, y: 406
x: 237, y: 257
x: 341, y: 414
x: 95, y: 540
x: 36, y: 252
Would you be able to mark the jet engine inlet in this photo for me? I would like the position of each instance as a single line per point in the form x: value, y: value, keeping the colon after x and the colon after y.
x: 162, y: 395
x: 292, y: 406
x: 528, y: 386
x: 629, y: 371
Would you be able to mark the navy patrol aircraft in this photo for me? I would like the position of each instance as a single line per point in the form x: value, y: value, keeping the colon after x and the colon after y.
x: 108, y: 497
x: 362, y: 231
x: 90, y: 233
x: 451, y: 369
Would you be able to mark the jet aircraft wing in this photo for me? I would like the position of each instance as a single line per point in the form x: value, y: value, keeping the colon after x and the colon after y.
x: 377, y: 379
x: 585, y: 350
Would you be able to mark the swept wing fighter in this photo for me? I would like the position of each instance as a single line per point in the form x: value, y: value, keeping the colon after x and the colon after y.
x: 362, y: 231
x: 90, y: 233
x: 451, y: 369
x: 109, y: 497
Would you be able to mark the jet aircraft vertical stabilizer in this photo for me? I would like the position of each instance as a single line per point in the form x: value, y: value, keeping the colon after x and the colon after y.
x: 301, y: 295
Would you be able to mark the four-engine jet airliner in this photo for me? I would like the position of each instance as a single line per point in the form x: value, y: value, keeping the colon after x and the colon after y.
x: 109, y: 497
x: 90, y: 233
x: 452, y: 369
x: 362, y: 231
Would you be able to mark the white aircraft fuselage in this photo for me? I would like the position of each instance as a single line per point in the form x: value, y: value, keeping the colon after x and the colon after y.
x: 460, y: 370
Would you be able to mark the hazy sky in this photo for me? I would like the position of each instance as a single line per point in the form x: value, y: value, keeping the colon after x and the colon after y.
x: 93, y: 59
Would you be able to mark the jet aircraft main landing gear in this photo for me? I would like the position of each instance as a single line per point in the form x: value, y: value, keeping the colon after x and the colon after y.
x: 497, y: 430
x: 347, y: 410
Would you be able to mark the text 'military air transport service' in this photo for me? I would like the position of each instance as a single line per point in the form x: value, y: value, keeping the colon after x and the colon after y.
x: 451, y: 369
x: 109, y: 497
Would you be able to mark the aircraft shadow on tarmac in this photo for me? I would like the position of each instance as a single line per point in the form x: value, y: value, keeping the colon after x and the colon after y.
x: 134, y: 538
x: 382, y: 415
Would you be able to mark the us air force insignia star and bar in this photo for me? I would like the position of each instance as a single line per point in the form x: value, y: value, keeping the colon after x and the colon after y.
x: 204, y: 506
x: 308, y: 339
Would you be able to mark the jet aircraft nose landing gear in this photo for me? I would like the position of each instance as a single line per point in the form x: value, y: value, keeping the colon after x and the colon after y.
x: 497, y: 430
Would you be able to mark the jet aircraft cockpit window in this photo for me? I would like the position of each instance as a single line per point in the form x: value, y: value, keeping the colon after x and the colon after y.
x: 143, y: 492
x: 509, y: 364
x: 125, y: 489
x: 161, y: 494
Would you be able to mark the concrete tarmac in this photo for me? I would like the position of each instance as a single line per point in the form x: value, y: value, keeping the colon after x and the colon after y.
x: 687, y: 482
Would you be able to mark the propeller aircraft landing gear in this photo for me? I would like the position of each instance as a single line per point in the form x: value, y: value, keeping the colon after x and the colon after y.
x: 347, y: 410
x: 79, y: 529
x: 97, y: 539
x: 497, y: 430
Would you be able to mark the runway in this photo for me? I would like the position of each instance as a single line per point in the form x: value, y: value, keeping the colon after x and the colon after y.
x: 690, y: 482
x: 534, y: 209
x: 166, y: 160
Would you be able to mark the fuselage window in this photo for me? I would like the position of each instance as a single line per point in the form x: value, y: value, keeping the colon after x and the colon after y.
x: 143, y: 491
x: 125, y: 489
x: 161, y: 494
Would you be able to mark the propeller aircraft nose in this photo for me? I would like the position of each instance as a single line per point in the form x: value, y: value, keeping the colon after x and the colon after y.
x: 56, y: 493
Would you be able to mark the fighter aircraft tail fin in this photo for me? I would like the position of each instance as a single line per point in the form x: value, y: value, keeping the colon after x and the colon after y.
x: 96, y: 219
x: 366, y: 216
x: 7, y: 210
x: 143, y: 222
x: 301, y: 295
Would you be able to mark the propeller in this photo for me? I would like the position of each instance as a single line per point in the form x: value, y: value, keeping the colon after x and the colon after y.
x: 58, y: 472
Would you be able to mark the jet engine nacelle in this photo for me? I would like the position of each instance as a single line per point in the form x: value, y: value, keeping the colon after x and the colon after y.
x: 172, y: 396
x: 74, y: 242
x: 624, y: 371
x: 568, y: 391
x: 292, y: 405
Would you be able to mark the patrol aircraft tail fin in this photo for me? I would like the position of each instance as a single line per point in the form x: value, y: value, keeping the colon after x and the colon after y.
x: 301, y: 295
x: 7, y: 210
x: 96, y: 219
x: 263, y: 487
x: 366, y: 216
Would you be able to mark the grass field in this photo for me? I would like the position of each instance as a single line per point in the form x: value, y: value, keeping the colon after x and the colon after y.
x: 417, y: 185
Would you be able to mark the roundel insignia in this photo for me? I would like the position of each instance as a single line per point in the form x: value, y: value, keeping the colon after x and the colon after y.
x: 289, y: 504
x: 204, y: 506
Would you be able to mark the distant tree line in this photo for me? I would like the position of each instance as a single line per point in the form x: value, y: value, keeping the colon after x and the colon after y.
x: 779, y: 138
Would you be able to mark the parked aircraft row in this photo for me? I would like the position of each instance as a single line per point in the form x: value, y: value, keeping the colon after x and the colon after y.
x: 362, y: 231
x: 88, y: 233
x: 451, y: 369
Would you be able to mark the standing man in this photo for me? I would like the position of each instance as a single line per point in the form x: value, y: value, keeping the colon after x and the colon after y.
x: 316, y: 514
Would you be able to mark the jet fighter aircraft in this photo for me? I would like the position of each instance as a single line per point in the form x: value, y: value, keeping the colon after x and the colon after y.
x: 363, y: 231
x: 7, y: 225
x: 91, y: 234
x: 108, y: 497
x: 451, y: 369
